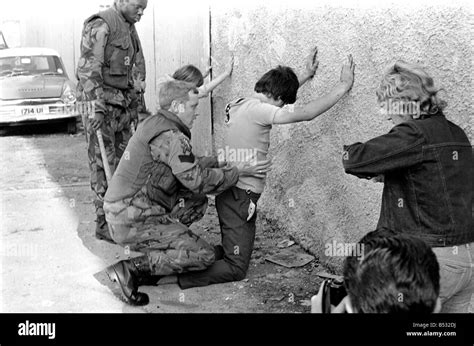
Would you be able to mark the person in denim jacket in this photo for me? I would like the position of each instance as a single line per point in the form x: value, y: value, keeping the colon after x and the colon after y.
x: 427, y: 166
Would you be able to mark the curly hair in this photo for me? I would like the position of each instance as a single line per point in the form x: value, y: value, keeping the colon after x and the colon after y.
x: 408, y: 82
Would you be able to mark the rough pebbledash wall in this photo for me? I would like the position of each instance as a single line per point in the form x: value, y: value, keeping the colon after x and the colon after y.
x: 307, y: 193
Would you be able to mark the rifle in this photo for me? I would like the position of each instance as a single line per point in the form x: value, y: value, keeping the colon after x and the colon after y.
x: 103, y: 154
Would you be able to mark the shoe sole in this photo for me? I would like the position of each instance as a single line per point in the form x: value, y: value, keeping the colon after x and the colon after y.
x: 113, y: 276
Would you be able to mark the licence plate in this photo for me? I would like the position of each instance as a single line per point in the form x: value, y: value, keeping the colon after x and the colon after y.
x: 31, y: 110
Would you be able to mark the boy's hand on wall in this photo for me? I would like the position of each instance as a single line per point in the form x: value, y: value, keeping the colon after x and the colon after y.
x: 347, y: 73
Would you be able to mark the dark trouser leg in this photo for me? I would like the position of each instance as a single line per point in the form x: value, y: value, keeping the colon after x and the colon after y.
x: 238, y: 236
x: 115, y: 133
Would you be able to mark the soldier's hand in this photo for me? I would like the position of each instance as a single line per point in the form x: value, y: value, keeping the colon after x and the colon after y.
x: 222, y: 164
x: 97, y: 120
x: 259, y: 170
x: 142, y: 86
x: 139, y: 84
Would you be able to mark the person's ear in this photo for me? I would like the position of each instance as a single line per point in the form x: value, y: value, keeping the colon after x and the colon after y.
x: 438, y: 306
x: 174, y: 108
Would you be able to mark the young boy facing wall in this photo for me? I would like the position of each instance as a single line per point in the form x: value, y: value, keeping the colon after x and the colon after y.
x: 249, y: 123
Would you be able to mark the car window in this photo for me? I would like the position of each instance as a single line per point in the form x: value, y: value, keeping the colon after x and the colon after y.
x: 36, y: 64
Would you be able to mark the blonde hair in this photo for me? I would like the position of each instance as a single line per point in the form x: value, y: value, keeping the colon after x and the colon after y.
x: 407, y: 82
x: 175, y: 91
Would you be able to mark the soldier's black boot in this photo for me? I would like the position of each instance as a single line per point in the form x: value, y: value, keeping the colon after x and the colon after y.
x: 102, y: 230
x: 127, y: 274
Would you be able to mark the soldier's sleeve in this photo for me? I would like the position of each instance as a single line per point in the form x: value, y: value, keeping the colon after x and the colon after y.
x: 187, y: 169
x: 89, y: 70
x: 140, y: 62
x: 208, y: 162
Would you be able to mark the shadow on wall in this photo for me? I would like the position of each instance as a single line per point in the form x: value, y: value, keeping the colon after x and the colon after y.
x: 307, y: 192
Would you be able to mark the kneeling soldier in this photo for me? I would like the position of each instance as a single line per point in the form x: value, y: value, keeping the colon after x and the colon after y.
x: 158, y: 189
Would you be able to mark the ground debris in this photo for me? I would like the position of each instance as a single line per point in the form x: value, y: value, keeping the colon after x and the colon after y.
x: 290, y: 274
x: 326, y: 275
x: 285, y: 243
x: 278, y: 298
x: 290, y: 258
x: 305, y: 302
x: 273, y: 276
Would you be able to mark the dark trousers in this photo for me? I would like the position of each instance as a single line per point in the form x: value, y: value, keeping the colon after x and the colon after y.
x: 238, y: 235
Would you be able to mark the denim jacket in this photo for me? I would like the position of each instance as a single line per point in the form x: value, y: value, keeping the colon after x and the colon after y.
x: 428, y: 169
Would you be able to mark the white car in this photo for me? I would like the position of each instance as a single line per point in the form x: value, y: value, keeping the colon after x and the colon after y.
x: 34, y: 87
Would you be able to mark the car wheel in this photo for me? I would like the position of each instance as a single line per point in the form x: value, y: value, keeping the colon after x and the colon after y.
x: 71, y: 126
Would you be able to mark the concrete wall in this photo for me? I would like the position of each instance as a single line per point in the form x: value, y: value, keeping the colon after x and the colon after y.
x: 307, y: 193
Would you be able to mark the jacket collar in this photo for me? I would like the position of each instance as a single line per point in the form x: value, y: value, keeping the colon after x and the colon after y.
x: 174, y: 118
x: 120, y: 15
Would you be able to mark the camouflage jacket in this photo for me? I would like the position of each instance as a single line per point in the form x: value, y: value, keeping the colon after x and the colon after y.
x: 91, y: 85
x: 201, y: 175
x: 159, y: 155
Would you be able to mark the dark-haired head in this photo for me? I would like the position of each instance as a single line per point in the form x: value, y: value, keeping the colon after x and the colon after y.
x: 396, y: 274
x: 280, y: 83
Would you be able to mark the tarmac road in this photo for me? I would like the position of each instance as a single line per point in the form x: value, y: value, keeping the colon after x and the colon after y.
x: 45, y: 267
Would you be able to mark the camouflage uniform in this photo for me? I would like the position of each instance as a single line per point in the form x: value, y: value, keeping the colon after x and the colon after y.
x: 110, y: 94
x: 158, y: 190
x: 138, y: 107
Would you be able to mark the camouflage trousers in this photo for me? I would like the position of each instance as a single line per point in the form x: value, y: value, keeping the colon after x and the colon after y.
x: 138, y: 224
x: 116, y: 134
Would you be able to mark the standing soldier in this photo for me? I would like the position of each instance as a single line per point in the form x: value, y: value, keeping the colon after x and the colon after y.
x: 109, y: 49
